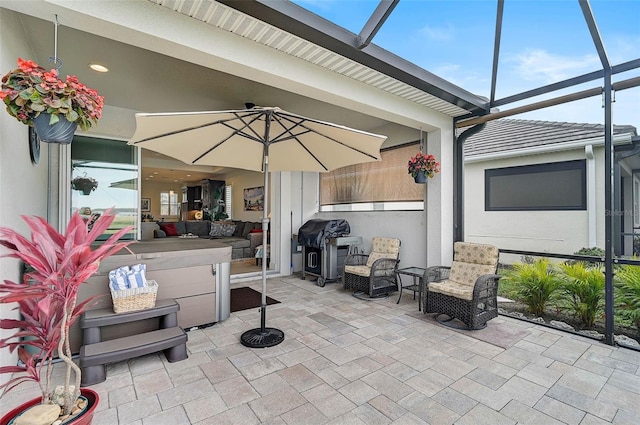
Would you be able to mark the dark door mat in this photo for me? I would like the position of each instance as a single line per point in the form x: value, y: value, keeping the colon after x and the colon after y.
x: 246, y: 298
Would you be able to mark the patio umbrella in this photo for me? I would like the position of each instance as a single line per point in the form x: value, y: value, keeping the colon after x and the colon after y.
x: 259, y: 139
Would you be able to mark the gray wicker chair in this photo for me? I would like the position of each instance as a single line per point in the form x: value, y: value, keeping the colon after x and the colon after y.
x: 467, y: 290
x: 373, y: 275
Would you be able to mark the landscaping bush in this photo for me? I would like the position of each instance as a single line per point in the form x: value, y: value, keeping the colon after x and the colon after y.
x: 591, y: 252
x: 534, y: 284
x: 583, y: 290
x: 627, y: 293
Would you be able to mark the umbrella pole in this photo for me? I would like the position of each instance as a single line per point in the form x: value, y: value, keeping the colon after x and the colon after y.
x: 264, y: 337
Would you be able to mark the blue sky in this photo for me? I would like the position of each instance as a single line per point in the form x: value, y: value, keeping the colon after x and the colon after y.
x: 543, y: 41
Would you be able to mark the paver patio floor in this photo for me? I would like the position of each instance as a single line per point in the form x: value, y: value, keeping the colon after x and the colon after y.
x: 349, y: 361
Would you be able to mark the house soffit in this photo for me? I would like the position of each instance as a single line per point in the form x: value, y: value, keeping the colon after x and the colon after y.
x: 229, y: 19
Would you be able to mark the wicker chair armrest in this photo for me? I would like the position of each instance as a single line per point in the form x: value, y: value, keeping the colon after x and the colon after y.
x: 486, y: 282
x: 356, y: 260
x: 384, y: 264
x: 436, y: 273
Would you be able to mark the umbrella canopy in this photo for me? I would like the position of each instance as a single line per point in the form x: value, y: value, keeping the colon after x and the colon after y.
x: 258, y: 139
x: 237, y: 139
x: 131, y: 184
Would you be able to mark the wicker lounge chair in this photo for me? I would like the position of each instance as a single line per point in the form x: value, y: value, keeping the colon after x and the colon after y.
x: 373, y: 275
x: 467, y: 290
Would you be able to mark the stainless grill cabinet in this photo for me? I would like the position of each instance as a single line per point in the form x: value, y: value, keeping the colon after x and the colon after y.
x: 325, y: 245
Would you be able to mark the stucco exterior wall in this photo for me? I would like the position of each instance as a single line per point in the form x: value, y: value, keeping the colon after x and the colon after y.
x: 23, y: 188
x: 562, y: 232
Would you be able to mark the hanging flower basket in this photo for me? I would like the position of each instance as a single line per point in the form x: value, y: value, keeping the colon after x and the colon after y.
x: 422, y: 166
x: 30, y: 92
x: 84, y: 184
x: 61, y: 132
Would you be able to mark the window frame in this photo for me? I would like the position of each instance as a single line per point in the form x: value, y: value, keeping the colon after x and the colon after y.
x: 169, y: 204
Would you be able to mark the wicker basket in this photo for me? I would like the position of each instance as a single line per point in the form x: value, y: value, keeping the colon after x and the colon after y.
x: 135, y: 298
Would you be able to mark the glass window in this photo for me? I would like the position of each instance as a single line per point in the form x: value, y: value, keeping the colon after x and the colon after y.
x: 381, y: 185
x: 112, y: 165
x: 553, y: 186
x: 169, y: 203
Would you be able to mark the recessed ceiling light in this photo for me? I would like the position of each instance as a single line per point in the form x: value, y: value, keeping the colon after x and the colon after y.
x: 99, y: 68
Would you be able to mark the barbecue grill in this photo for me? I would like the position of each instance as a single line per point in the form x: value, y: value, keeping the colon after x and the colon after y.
x: 325, y: 245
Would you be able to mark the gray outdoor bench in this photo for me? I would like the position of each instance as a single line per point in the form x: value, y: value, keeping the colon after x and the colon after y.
x: 95, y: 353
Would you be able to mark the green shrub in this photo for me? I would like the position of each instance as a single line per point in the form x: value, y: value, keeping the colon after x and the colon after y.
x: 532, y: 284
x: 627, y: 293
x: 591, y: 252
x: 583, y: 290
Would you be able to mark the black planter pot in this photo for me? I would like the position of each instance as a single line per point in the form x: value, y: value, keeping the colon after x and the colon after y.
x: 61, y: 132
x: 421, y: 177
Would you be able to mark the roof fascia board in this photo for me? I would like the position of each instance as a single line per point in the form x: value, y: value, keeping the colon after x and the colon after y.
x: 618, y: 139
x: 298, y: 21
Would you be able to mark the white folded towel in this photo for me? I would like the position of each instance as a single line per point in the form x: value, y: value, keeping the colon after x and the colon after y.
x: 126, y: 277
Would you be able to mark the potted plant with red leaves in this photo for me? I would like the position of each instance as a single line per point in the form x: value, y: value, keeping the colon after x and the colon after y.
x: 55, y: 107
x: 57, y: 264
x: 422, y: 166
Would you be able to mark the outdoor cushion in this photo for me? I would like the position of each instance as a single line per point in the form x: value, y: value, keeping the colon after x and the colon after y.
x: 477, y: 254
x: 359, y: 270
x: 467, y: 273
x: 454, y: 289
x: 376, y: 256
x: 387, y: 245
x: 169, y: 228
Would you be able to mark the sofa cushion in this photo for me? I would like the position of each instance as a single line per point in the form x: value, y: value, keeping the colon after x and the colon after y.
x: 181, y: 227
x: 198, y: 227
x: 159, y: 234
x: 169, y: 228
x: 220, y: 229
x: 236, y: 242
x: 239, y: 228
x: 248, y: 226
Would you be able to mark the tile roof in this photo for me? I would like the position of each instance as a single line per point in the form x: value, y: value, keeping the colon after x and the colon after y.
x: 509, y: 134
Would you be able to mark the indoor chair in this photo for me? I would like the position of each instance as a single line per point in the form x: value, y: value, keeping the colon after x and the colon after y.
x: 467, y: 290
x: 373, y: 275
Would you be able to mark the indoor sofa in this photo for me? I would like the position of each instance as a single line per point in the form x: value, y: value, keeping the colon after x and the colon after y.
x: 243, y: 236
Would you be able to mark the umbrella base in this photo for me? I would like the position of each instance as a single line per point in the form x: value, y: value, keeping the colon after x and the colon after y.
x: 259, y: 338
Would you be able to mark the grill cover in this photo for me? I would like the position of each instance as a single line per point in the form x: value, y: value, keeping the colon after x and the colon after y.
x: 314, y: 233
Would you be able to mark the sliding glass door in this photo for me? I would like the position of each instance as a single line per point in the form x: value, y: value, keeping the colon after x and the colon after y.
x: 104, y: 174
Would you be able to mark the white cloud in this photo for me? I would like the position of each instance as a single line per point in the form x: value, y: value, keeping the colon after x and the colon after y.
x: 445, y: 33
x: 542, y: 66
